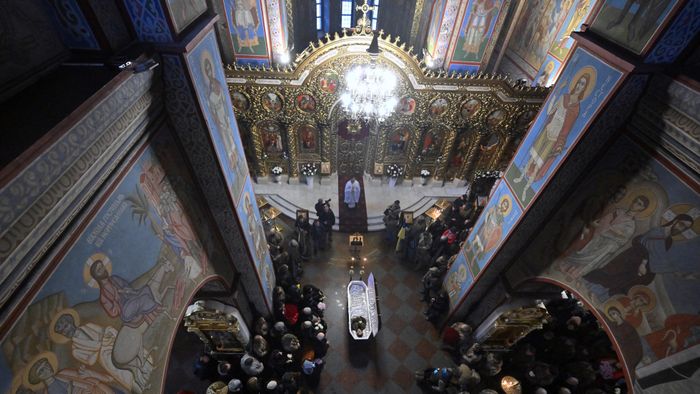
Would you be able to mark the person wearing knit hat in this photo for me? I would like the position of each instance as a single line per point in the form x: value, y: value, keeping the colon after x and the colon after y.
x: 234, y: 386
x: 307, y: 310
x: 308, y: 367
x: 251, y: 366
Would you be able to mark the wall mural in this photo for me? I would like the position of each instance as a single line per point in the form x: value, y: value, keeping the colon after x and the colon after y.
x: 497, y: 220
x: 247, y: 23
x: 627, y: 241
x: 581, y: 91
x: 208, y: 76
x: 632, y: 24
x: 184, y: 12
x: 251, y: 223
x: 277, y: 14
x: 97, y: 323
x: 541, y: 41
x: 436, y: 17
x: 479, y: 27
x: 457, y: 280
x: 205, y: 66
x: 298, y: 113
x: 548, y: 73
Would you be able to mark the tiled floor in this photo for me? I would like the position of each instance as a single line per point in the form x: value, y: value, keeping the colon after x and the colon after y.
x: 406, y: 341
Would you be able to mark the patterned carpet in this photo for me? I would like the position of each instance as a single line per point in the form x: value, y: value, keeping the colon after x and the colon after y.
x: 406, y: 342
x: 352, y: 220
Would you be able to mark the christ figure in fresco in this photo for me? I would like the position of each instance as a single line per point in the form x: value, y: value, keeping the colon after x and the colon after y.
x: 478, y: 25
x: 562, y: 113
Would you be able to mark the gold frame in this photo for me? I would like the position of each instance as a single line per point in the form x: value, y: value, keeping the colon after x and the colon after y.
x: 337, y: 54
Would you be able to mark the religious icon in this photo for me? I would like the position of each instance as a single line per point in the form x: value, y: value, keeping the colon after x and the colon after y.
x: 240, y: 101
x: 407, y: 105
x: 431, y: 143
x: 325, y: 167
x: 407, y: 217
x: 543, y: 79
x: 246, y: 23
x: 495, y: 118
x: 271, y: 137
x: 378, y: 168
x: 438, y: 107
x: 562, y: 112
x: 272, y: 102
x: 307, y: 136
x: 306, y: 103
x: 482, y: 13
x: 525, y: 119
x: 398, y: 141
x: 470, y: 108
x: 490, y: 233
x: 328, y: 81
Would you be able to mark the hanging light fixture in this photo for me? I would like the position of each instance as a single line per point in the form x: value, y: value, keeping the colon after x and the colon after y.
x: 369, y: 92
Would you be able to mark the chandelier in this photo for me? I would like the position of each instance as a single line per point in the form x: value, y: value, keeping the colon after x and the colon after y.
x: 369, y: 89
x: 369, y: 93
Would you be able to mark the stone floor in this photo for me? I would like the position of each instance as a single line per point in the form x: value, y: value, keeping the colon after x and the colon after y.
x: 406, y: 341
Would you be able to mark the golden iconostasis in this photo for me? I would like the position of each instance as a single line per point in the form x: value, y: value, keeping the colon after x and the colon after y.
x: 450, y: 125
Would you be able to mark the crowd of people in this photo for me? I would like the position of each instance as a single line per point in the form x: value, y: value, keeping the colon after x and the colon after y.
x: 432, y: 247
x: 286, y: 353
x: 571, y: 354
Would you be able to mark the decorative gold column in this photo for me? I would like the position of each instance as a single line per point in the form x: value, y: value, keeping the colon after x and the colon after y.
x: 471, y: 158
x: 441, y: 167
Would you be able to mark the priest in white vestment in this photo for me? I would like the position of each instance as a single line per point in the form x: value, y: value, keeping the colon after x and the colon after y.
x: 352, y: 192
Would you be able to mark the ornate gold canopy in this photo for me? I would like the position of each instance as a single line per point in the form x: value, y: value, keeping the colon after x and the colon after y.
x: 450, y: 124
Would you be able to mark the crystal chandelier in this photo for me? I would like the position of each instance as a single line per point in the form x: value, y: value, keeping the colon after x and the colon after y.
x: 369, y: 89
x: 369, y: 93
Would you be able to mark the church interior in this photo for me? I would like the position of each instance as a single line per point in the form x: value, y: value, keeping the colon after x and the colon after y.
x: 347, y: 196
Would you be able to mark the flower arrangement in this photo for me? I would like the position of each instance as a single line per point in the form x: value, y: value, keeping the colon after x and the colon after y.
x: 309, y: 169
x: 276, y: 170
x: 394, y: 170
x: 424, y: 173
x: 479, y: 174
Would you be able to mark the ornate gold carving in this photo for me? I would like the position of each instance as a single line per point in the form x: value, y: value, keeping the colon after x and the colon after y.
x: 335, y: 56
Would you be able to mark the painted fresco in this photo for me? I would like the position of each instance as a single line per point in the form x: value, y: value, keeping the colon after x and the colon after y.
x: 184, y: 12
x: 208, y: 75
x: 246, y: 23
x: 476, y: 31
x: 581, y: 90
x: 101, y: 320
x: 627, y: 241
x: 494, y: 223
x: 632, y: 24
x: 251, y: 223
x: 434, y: 29
x: 457, y: 280
x: 148, y: 20
x: 537, y: 28
x: 577, y: 15
x: 548, y: 72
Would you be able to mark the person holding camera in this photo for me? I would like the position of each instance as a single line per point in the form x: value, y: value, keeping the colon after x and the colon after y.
x: 327, y: 218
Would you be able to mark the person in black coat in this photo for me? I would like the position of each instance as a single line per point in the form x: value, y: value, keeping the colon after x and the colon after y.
x: 327, y: 218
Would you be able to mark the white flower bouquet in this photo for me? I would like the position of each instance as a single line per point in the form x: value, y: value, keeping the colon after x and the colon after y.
x: 309, y: 169
x: 424, y: 173
x: 276, y: 170
x: 394, y: 170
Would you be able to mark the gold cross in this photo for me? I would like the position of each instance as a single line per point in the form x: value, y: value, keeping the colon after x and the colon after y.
x: 364, y: 8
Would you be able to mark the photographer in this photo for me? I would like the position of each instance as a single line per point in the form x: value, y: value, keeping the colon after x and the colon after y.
x: 319, y: 206
x: 327, y: 218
